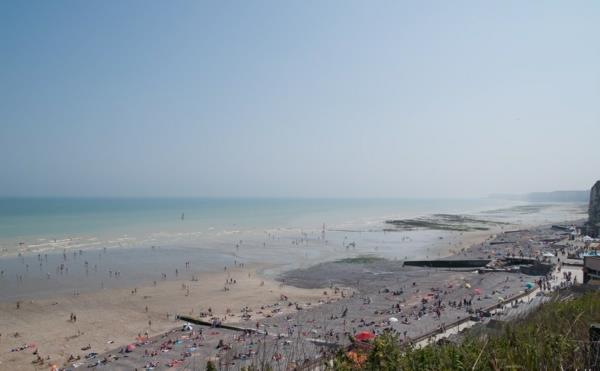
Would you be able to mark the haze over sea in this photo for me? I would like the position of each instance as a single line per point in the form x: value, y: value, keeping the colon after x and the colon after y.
x: 54, y: 223
x: 38, y: 220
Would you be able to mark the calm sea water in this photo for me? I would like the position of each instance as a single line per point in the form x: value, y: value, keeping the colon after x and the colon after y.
x: 56, y: 218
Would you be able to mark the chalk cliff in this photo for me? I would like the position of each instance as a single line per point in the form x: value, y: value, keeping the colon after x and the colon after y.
x: 594, y: 211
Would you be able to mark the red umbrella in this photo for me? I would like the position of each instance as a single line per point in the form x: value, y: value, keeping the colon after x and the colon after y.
x: 364, y: 336
x: 130, y: 348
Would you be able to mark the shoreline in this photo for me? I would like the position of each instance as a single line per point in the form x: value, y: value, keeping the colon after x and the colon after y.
x: 24, y: 277
x: 103, y: 313
x: 376, y: 291
x: 11, y: 247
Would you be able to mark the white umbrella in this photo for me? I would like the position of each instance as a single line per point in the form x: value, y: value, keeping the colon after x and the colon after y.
x: 393, y: 319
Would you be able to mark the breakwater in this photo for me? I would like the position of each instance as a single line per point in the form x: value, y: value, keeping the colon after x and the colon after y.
x: 449, y: 263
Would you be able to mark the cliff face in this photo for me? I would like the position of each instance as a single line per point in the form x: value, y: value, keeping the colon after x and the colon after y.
x: 594, y: 210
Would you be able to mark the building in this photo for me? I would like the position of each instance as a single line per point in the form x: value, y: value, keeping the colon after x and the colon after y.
x: 591, y: 269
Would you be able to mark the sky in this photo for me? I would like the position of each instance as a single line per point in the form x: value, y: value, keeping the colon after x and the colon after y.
x: 298, y: 98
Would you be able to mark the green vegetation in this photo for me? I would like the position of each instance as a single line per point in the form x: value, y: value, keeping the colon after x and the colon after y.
x: 555, y: 337
x: 210, y: 366
x: 452, y: 218
x: 444, y: 222
x: 409, y: 224
x: 361, y: 259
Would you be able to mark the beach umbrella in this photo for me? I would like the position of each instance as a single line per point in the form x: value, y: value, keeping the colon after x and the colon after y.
x: 364, y: 336
x: 529, y: 285
x: 477, y: 291
x: 467, y: 285
x: 130, y: 348
x: 393, y: 319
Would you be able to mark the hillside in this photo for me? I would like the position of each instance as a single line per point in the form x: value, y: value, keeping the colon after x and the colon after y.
x: 554, y: 337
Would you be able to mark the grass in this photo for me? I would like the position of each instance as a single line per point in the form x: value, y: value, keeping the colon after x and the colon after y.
x: 361, y: 259
x: 555, y: 337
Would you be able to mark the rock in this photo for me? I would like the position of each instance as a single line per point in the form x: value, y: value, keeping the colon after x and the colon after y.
x: 593, y: 225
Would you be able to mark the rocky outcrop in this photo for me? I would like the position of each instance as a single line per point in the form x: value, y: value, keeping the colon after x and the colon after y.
x: 594, y: 211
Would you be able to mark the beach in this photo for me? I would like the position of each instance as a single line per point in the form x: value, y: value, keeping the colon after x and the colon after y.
x: 336, y: 300
x: 281, y: 186
x: 109, y: 318
x: 121, y: 294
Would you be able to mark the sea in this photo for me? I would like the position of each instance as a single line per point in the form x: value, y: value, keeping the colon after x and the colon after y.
x: 38, y: 222
x: 143, y: 237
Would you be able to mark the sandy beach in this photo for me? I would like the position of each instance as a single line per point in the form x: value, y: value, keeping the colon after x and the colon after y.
x: 377, y: 295
x: 109, y: 298
x: 115, y: 317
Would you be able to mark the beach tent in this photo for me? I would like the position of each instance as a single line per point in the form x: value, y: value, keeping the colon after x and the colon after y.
x: 587, y: 239
x: 364, y: 336
x: 529, y: 285
x: 393, y: 319
x: 130, y: 348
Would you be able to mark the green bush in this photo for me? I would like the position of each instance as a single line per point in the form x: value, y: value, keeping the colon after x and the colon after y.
x: 554, y: 337
x: 210, y: 366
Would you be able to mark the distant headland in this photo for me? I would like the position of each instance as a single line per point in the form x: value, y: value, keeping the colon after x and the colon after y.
x: 554, y: 196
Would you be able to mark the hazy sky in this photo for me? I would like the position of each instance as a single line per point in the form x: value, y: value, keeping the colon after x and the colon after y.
x: 298, y: 98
